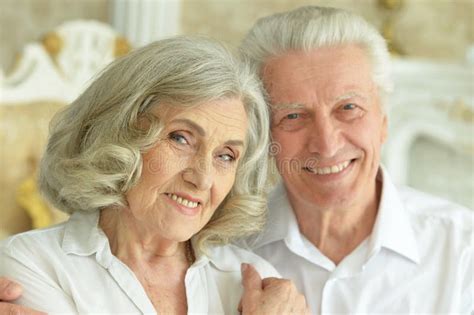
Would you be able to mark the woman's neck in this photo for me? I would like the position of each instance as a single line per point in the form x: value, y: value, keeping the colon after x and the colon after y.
x: 131, y: 240
x: 158, y: 263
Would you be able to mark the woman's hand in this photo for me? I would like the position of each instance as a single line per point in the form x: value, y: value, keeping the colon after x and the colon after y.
x: 10, y: 291
x: 270, y: 295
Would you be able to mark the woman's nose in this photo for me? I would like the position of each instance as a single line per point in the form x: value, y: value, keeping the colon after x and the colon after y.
x: 200, y: 173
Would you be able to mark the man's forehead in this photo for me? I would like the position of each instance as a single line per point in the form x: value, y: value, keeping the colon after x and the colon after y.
x: 302, y: 65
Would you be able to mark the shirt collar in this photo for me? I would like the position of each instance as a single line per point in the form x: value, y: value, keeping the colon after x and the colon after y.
x: 84, y: 237
x: 221, y: 257
x: 392, y: 229
x: 281, y: 220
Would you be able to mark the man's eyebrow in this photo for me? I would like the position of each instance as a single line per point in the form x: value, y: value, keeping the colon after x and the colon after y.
x: 348, y: 95
x: 283, y: 106
x: 202, y: 132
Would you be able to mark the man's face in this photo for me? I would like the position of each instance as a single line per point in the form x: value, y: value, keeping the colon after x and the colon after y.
x: 328, y: 125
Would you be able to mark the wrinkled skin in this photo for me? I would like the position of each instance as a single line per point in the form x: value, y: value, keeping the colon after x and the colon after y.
x: 270, y: 295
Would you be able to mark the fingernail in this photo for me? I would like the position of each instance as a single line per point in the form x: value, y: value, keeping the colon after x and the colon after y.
x: 12, y: 289
x: 243, y: 267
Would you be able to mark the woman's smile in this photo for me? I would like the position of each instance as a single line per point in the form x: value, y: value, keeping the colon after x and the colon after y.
x: 184, y: 205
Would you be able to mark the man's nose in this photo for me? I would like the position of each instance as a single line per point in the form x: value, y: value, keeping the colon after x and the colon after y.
x: 324, y: 137
x: 200, y: 173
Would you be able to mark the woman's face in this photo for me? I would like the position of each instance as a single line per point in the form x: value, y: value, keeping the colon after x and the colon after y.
x: 191, y: 168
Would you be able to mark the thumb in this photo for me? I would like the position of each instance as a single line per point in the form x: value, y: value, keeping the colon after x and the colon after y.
x: 252, y: 284
x: 250, y: 278
x: 9, y: 290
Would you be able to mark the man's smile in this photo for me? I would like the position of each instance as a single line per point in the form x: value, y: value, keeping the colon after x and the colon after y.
x: 333, y: 169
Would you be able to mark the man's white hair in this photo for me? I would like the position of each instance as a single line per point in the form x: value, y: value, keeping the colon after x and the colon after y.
x: 311, y: 27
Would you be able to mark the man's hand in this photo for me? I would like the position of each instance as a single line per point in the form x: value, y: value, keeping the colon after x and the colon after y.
x: 270, y: 295
x: 10, y: 291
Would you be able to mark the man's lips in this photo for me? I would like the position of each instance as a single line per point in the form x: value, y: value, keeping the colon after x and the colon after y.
x: 329, y: 169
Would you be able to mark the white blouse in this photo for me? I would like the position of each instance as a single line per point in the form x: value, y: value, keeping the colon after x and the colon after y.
x: 69, y: 268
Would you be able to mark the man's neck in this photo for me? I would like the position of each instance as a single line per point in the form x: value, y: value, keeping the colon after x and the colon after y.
x: 337, y: 232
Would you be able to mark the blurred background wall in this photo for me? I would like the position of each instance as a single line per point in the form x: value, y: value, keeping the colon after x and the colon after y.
x: 437, y: 29
x: 24, y: 21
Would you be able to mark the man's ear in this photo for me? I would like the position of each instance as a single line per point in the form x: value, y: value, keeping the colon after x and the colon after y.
x: 384, y: 132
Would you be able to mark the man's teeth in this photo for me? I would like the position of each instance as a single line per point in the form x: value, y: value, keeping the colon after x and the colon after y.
x: 329, y: 169
x: 182, y: 201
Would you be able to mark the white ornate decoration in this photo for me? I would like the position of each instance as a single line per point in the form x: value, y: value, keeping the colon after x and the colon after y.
x: 60, y: 68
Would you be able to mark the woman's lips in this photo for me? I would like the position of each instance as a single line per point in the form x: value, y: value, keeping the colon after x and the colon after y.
x: 184, y: 205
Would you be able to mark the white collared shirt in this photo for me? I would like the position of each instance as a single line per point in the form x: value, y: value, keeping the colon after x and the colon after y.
x: 418, y: 259
x: 70, y: 268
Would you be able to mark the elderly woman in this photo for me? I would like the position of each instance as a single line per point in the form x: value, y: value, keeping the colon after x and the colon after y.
x: 160, y: 162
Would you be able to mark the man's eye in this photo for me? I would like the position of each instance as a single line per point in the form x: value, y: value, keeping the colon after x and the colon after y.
x: 292, y: 116
x: 291, y: 121
x: 349, y: 106
x: 176, y: 137
x: 350, y: 111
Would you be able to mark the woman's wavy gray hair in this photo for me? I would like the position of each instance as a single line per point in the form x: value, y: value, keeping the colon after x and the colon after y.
x: 95, y: 147
x: 312, y: 27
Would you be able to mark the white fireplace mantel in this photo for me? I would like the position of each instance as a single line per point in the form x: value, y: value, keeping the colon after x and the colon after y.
x: 432, y: 102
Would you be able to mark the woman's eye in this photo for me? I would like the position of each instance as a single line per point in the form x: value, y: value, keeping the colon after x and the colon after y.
x: 227, y: 157
x: 178, y: 138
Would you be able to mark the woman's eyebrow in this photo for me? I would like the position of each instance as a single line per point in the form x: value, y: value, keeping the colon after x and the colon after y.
x: 235, y: 143
x: 191, y: 124
x: 202, y: 132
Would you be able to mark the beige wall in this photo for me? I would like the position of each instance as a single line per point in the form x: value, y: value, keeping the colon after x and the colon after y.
x: 438, y: 29
x: 24, y: 21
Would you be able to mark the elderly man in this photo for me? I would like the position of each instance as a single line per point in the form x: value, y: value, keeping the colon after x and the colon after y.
x: 338, y: 227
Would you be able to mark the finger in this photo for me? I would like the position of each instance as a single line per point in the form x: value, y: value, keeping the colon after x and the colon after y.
x: 240, y: 306
x: 17, y: 310
x: 271, y: 281
x: 302, y: 305
x: 283, y: 286
x: 251, y: 280
x: 283, y: 290
x: 252, y: 284
x: 9, y: 290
